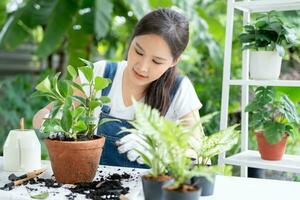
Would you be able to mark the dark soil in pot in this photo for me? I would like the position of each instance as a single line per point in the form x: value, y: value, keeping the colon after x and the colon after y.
x: 152, y: 186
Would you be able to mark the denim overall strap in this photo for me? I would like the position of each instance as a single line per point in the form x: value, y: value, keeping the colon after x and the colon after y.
x: 110, y: 130
x: 109, y: 72
x: 175, y: 87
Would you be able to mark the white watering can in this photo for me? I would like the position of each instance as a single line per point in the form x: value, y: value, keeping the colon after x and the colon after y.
x: 22, y: 150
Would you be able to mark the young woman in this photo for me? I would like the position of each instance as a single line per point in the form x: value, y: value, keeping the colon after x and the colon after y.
x: 149, y: 75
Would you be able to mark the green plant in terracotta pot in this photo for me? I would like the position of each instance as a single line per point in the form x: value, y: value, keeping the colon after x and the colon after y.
x: 148, y: 125
x: 274, y: 118
x: 71, y: 124
x: 206, y: 147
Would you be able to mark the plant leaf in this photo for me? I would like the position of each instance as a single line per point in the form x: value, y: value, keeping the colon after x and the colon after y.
x: 103, y: 17
x: 72, y: 71
x: 57, y: 26
x: 274, y: 132
x: 87, y: 72
x: 101, y: 83
x: 44, y: 86
x: 43, y: 195
x: 66, y: 120
x: 80, y: 126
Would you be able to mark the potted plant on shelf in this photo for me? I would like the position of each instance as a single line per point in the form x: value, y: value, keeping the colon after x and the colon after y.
x: 205, y: 148
x: 73, y: 148
x: 267, y: 38
x: 148, y: 125
x: 274, y: 117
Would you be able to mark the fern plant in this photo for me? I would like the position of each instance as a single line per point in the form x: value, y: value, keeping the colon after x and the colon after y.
x: 71, y: 116
x: 274, y: 113
x: 165, y: 144
x: 148, y: 125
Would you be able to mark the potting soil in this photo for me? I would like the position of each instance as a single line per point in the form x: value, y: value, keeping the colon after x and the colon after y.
x: 105, y: 186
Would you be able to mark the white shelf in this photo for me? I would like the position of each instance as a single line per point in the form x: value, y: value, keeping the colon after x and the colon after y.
x: 251, y: 158
x: 289, y: 163
x: 287, y: 83
x: 267, y: 5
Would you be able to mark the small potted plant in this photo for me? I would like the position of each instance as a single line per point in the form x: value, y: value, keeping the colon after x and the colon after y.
x: 148, y: 125
x: 274, y: 117
x: 206, y: 147
x: 73, y: 148
x: 175, y: 141
x: 267, y: 38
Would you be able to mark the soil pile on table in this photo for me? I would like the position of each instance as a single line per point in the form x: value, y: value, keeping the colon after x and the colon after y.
x: 104, y: 187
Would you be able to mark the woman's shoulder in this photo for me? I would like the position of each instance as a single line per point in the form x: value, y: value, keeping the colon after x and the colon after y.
x: 99, y: 66
x: 185, y: 82
x: 186, y: 100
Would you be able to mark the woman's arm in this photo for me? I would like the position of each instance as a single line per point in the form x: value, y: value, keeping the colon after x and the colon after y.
x: 38, y: 118
x: 192, y: 121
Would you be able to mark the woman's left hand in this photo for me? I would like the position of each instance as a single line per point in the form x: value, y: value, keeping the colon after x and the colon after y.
x: 129, y: 144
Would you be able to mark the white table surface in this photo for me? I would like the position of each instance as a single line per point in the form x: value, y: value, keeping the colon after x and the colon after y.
x: 20, y: 192
x: 226, y: 188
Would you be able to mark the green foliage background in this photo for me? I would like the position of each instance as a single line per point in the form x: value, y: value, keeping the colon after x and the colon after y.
x: 96, y: 29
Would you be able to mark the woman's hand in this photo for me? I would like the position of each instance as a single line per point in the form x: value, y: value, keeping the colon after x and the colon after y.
x: 38, y: 118
x: 128, y: 144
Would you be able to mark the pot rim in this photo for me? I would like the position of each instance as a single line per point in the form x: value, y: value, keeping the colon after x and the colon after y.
x: 261, y: 132
x: 152, y: 178
x: 78, y: 141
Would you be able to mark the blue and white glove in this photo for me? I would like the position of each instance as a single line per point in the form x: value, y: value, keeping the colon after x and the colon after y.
x: 128, y: 144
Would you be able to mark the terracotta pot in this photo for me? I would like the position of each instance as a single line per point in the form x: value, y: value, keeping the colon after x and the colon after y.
x: 75, y: 161
x: 270, y: 151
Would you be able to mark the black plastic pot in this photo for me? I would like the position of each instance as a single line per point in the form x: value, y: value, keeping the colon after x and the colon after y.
x: 206, y: 185
x: 153, y: 188
x: 255, y: 172
x: 176, y: 195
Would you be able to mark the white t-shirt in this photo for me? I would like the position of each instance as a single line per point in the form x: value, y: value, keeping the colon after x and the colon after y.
x: 185, y: 99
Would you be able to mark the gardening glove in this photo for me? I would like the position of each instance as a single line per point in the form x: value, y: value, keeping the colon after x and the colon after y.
x: 128, y: 144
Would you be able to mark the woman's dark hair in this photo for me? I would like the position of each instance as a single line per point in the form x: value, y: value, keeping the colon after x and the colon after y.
x: 174, y: 29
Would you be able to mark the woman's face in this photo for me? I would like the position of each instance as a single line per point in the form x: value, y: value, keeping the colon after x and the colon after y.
x: 149, y: 57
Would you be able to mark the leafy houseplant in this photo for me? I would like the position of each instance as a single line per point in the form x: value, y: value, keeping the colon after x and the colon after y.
x: 206, y: 147
x: 148, y: 125
x: 165, y: 144
x: 274, y: 117
x: 267, y: 37
x: 71, y: 119
x: 176, y: 141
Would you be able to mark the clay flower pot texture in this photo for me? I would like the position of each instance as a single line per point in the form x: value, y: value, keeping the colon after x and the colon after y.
x: 75, y: 161
x: 270, y: 151
x: 152, y: 186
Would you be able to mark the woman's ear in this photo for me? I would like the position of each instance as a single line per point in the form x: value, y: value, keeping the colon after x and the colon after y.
x: 176, y: 61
